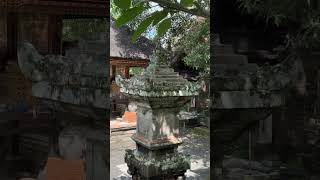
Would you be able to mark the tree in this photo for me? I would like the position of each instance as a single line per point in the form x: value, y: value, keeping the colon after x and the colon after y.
x: 178, y: 29
x: 301, y: 16
x: 127, y: 11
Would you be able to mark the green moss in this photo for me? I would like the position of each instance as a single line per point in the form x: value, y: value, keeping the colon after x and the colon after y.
x: 201, y: 131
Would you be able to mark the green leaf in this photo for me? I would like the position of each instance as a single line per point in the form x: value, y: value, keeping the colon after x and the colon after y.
x: 159, y: 16
x: 186, y: 3
x: 123, y: 4
x: 163, y: 27
x: 143, y: 26
x: 129, y: 14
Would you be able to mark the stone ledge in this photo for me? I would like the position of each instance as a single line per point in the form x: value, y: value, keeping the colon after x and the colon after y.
x: 157, y: 144
x: 246, y: 99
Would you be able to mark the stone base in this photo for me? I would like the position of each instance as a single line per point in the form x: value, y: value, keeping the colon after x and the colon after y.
x: 188, y: 176
x: 163, y: 167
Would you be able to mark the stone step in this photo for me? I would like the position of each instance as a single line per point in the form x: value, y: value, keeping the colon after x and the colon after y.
x: 163, y: 69
x: 223, y: 49
x: 230, y: 59
x: 170, y: 75
x: 177, y: 80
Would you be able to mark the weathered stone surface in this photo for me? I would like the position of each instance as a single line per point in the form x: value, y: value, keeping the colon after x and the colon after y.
x: 246, y: 99
x: 158, y: 81
x: 159, y: 93
x: 242, y: 169
x: 169, y: 165
x: 184, y: 115
x: 232, y: 75
x: 79, y: 78
x: 189, y: 176
x: 245, y: 164
x: 246, y: 86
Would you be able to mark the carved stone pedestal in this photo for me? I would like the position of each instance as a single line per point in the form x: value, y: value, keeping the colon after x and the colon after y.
x: 169, y: 166
x: 159, y: 94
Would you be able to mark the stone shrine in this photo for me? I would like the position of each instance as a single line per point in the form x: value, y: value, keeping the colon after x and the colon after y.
x: 75, y: 84
x: 244, y: 95
x: 159, y: 93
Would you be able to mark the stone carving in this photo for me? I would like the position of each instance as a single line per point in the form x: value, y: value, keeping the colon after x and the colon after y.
x: 239, y: 84
x: 159, y: 93
x: 76, y: 83
x: 250, y: 93
x: 157, y: 81
x: 80, y: 78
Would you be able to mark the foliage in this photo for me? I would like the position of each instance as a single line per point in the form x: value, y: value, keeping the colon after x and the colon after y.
x: 136, y: 70
x: 198, y: 55
x: 153, y: 15
x: 86, y: 29
x: 178, y: 31
x: 301, y: 16
x: 191, y: 39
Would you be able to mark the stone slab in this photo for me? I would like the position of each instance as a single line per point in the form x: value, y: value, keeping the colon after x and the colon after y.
x: 118, y: 125
x: 246, y: 99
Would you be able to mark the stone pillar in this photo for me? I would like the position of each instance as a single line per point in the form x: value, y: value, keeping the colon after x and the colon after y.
x: 159, y: 94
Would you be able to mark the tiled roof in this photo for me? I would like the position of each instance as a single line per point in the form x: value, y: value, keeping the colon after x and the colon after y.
x: 121, y: 45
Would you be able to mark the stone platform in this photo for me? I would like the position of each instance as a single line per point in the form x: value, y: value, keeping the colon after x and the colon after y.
x: 119, y: 125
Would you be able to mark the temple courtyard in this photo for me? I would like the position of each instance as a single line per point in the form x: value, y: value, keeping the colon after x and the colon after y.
x: 196, y: 144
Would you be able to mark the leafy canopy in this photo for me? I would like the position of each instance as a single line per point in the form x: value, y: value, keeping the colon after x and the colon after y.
x: 176, y: 26
x: 157, y: 14
x: 301, y: 16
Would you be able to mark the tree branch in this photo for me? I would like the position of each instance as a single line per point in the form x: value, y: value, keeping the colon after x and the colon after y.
x: 176, y: 6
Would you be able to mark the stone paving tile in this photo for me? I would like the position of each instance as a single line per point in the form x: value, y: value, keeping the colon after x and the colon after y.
x: 198, y: 147
x: 118, y: 144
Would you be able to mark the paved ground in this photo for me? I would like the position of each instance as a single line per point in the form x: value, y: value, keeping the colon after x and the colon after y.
x: 196, y: 144
x: 118, y: 144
